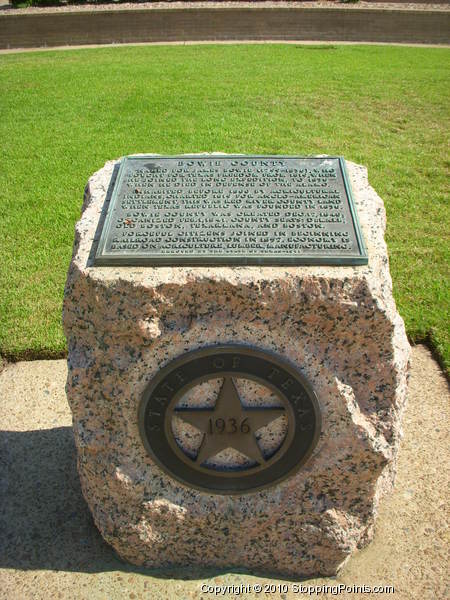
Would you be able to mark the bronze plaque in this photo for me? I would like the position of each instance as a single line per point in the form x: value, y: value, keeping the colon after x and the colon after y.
x: 230, y: 210
x: 229, y: 419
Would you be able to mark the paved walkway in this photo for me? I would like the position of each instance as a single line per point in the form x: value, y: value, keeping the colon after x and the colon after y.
x: 221, y: 43
x: 50, y: 549
x: 197, y: 4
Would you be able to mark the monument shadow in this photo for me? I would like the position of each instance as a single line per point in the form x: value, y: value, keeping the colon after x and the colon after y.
x: 44, y: 520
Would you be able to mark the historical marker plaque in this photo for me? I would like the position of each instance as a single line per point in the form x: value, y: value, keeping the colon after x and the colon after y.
x: 229, y: 419
x: 231, y: 210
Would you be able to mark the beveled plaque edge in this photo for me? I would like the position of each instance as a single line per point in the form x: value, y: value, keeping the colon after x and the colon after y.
x: 102, y: 258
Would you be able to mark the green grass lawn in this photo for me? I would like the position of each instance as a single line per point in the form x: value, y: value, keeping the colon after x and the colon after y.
x: 63, y: 114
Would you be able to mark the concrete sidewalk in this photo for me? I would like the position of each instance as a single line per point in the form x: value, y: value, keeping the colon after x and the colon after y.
x: 49, y: 547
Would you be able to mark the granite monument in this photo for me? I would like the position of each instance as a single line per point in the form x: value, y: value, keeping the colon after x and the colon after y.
x: 237, y: 366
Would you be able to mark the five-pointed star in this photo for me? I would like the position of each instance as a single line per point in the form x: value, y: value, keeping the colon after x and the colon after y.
x: 231, y: 414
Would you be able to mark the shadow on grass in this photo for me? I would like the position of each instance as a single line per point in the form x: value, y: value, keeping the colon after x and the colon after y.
x: 45, y: 522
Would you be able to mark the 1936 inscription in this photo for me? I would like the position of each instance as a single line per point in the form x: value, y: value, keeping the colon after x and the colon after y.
x: 231, y: 210
x: 228, y: 426
x: 228, y: 421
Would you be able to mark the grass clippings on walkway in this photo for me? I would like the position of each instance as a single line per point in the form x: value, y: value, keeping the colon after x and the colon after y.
x: 63, y: 114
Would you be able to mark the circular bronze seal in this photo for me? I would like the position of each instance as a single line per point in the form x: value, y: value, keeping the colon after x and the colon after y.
x: 229, y: 419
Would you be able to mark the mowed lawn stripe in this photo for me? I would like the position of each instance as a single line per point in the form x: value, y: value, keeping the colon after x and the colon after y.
x: 63, y: 114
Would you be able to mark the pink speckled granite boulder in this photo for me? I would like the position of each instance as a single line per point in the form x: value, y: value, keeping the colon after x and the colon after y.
x: 338, y: 325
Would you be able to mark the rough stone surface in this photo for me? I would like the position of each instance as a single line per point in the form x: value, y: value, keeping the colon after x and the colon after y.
x: 339, y: 325
x: 41, y: 495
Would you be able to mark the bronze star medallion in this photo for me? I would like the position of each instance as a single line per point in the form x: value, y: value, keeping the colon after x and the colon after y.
x: 229, y: 419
